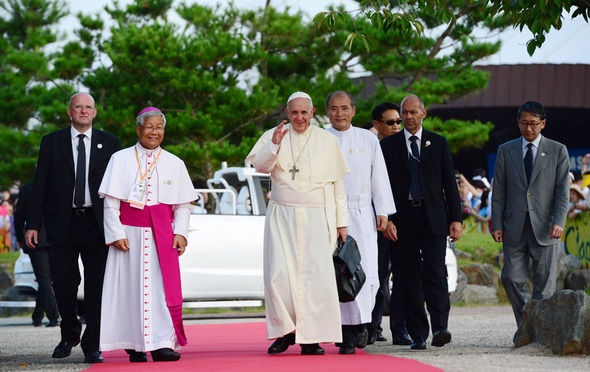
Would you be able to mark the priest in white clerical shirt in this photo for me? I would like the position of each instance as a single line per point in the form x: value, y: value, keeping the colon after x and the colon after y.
x: 368, y: 195
x: 306, y: 213
x: 147, y: 193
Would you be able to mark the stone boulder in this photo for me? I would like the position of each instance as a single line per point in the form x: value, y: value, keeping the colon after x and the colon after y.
x: 458, y: 294
x: 481, y: 274
x: 6, y: 281
x: 572, y: 262
x: 477, y: 283
x: 463, y: 254
x: 578, y: 279
x: 561, y: 323
x: 480, y: 294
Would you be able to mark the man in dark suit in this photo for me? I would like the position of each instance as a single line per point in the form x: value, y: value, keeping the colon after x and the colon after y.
x: 422, y: 180
x: 530, y: 201
x: 69, y: 170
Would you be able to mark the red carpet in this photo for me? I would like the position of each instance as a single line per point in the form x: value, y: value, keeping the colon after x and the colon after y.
x: 242, y: 347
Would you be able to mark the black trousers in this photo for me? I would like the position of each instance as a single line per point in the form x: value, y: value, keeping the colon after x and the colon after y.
x: 45, y: 298
x: 84, y: 240
x: 397, y: 319
x: 421, y: 256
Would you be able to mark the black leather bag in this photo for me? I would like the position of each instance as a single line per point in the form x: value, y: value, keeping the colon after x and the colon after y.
x: 350, y: 276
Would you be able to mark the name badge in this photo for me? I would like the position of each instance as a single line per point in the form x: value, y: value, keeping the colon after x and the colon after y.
x: 137, y: 196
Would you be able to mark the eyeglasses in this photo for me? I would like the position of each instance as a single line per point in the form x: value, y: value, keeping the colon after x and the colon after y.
x: 392, y: 122
x: 80, y: 107
x: 151, y: 129
x: 532, y: 124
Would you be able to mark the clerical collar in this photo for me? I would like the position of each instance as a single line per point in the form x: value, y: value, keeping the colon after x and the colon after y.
x: 341, y: 133
x: 143, y: 151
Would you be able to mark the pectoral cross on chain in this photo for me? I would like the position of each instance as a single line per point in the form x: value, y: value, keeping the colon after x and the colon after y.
x: 293, y: 171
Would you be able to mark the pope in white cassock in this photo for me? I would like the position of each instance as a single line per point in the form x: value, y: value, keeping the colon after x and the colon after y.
x: 306, y: 213
x: 147, y: 193
x: 368, y: 194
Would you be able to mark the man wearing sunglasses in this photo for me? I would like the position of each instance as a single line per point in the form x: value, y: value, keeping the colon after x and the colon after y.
x: 386, y: 119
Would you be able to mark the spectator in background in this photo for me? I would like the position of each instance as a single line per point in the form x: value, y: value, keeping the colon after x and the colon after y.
x: 5, y: 227
x: 472, y: 192
x: 45, y: 303
x: 483, y: 214
x: 585, y: 174
x: 577, y: 201
x: 370, y: 127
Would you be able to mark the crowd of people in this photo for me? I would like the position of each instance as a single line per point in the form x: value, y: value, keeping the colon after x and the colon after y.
x: 125, y: 213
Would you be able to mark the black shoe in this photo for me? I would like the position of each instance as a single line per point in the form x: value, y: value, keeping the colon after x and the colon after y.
x: 93, y: 357
x: 362, y: 337
x: 165, y: 355
x: 347, y: 350
x: 311, y: 349
x: 64, y: 348
x: 52, y: 323
x: 441, y: 337
x: 402, y: 340
x: 372, y: 338
x: 136, y: 356
x: 37, y: 323
x: 418, y: 345
x: 381, y: 338
x: 282, y: 344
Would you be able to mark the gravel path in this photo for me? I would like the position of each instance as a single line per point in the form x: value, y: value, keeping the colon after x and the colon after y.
x: 482, y: 341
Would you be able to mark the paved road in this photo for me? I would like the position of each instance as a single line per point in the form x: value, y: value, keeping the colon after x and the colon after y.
x: 482, y: 341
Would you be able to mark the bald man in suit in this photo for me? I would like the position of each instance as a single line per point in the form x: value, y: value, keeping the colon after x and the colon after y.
x: 422, y: 179
x: 69, y: 170
x: 529, y: 206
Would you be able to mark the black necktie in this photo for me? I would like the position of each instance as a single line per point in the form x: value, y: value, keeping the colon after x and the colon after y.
x: 528, y: 162
x: 80, y: 191
x: 415, y: 188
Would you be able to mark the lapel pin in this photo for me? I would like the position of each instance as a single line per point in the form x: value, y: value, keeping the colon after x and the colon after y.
x: 99, y: 145
x: 427, y: 143
x: 542, y: 154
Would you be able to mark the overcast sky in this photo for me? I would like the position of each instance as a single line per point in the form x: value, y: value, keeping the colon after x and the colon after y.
x: 568, y: 45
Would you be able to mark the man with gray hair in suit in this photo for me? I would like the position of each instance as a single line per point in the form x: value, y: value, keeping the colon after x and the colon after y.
x: 529, y: 206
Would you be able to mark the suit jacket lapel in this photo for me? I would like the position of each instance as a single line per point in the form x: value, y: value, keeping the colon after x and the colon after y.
x: 95, y: 144
x: 518, y: 159
x: 424, y: 151
x: 65, y: 146
x: 402, y: 148
x: 540, y: 159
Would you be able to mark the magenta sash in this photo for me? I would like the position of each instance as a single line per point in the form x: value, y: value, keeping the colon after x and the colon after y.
x: 159, y: 218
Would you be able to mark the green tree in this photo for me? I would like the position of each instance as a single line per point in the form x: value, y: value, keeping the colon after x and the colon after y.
x: 34, y: 83
x: 425, y: 52
x: 221, y: 77
x: 539, y: 16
